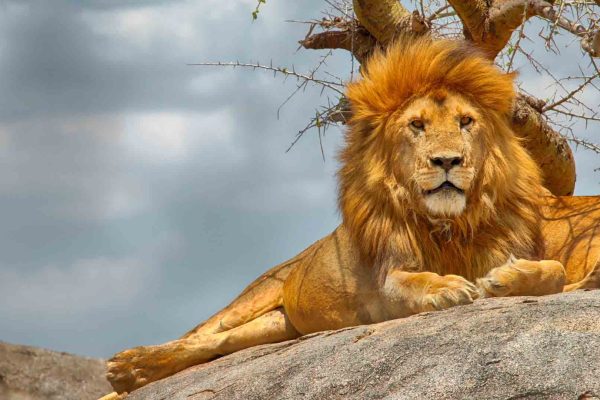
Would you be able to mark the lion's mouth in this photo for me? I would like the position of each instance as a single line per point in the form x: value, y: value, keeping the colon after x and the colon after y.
x: 447, y: 185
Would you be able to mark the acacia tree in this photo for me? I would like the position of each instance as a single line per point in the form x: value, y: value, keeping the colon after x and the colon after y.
x: 497, y: 27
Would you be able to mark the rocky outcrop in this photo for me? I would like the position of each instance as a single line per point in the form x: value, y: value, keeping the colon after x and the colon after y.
x: 510, y: 348
x: 29, y: 373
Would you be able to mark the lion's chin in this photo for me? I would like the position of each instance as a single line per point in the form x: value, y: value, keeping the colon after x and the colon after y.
x: 446, y: 203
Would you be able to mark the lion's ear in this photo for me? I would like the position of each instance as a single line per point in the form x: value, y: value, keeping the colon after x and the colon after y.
x: 367, y: 101
x: 512, y: 75
x: 506, y: 105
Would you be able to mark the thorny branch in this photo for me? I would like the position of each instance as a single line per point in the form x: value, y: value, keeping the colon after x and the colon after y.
x: 335, y: 86
x: 590, y: 38
x: 584, y: 143
x: 570, y: 95
x: 327, y: 115
x: 352, y: 38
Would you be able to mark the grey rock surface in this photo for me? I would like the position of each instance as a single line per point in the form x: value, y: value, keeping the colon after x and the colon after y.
x: 508, y: 348
x: 30, y: 373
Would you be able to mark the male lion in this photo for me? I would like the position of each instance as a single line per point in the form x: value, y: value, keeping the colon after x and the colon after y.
x: 441, y: 204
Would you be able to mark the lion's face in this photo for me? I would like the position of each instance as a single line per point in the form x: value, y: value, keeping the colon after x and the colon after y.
x: 441, y: 149
x: 430, y: 156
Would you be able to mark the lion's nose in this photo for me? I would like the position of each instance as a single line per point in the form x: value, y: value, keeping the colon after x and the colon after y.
x: 447, y: 163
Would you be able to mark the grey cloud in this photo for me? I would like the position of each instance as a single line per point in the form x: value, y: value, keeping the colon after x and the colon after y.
x: 90, y: 182
x: 75, y: 59
x: 77, y: 196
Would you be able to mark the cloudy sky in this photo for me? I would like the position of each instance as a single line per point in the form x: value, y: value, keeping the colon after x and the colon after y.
x: 138, y: 194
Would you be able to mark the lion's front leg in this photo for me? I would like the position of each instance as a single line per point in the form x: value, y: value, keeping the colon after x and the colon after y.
x: 408, y: 293
x: 523, y: 278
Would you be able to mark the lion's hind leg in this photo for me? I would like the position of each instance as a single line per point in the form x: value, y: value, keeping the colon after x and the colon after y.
x: 134, y: 368
x: 260, y: 297
x: 523, y: 278
x: 591, y: 281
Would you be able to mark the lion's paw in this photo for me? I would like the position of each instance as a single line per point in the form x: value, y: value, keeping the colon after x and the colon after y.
x: 114, y: 396
x: 132, y: 369
x: 449, y: 291
x: 499, y: 281
x: 523, y: 278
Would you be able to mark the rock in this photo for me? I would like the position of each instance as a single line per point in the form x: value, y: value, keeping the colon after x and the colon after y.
x: 505, y: 348
x: 29, y: 373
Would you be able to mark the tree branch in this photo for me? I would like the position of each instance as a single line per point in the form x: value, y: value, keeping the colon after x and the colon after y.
x: 384, y: 19
x: 591, y: 43
x: 490, y: 24
x: 550, y: 149
x: 336, y: 87
x: 357, y: 41
x: 569, y: 95
x: 590, y: 40
x: 472, y: 14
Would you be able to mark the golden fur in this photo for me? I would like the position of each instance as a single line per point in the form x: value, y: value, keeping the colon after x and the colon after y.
x: 436, y: 194
x: 378, y: 206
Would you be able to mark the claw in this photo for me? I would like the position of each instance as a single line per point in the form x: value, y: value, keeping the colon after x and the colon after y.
x: 452, y: 291
x: 523, y: 278
x: 114, y: 396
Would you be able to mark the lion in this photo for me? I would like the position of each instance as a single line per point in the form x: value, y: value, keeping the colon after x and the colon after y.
x: 441, y: 204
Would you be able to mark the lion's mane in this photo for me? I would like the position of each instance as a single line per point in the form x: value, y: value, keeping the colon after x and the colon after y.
x: 380, y: 212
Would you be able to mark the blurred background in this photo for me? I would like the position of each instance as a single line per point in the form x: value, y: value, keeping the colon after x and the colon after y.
x: 139, y: 194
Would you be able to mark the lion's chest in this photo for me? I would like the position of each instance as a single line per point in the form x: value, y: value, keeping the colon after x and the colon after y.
x: 470, y: 259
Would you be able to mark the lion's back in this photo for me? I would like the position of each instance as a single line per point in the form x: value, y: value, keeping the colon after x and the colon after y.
x: 571, y: 230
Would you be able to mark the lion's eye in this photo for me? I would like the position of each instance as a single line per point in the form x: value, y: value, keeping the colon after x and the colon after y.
x: 417, y: 124
x: 465, y: 121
